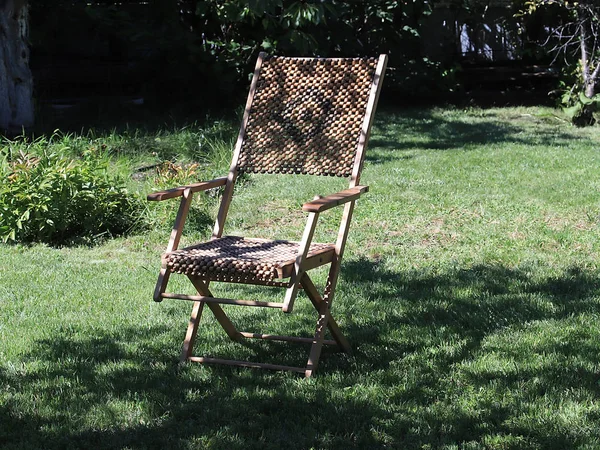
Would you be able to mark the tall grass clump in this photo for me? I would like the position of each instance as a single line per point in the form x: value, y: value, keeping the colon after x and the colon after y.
x: 183, y: 156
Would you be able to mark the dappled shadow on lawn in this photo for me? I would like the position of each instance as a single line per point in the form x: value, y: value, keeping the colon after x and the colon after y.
x: 98, y: 393
x: 428, y: 370
x: 481, y: 335
x: 431, y: 129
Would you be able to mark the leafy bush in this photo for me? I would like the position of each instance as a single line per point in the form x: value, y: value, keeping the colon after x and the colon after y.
x: 579, y: 109
x: 54, y: 199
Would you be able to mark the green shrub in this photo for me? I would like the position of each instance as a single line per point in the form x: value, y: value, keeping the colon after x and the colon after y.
x: 54, y: 199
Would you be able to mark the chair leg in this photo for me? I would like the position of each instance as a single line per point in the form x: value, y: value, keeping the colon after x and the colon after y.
x: 192, y: 331
x: 317, y: 300
x: 317, y: 346
x: 325, y: 321
x: 161, y: 284
x: 290, y: 295
x: 218, y: 312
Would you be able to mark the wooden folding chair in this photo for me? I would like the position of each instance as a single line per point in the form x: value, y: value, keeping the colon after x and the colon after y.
x: 308, y: 116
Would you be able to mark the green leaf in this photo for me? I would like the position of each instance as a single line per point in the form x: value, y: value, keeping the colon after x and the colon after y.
x: 267, y: 44
x: 573, y: 111
x: 585, y: 100
x: 589, y: 101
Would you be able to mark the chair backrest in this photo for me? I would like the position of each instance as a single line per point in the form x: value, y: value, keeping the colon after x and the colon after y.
x: 308, y: 115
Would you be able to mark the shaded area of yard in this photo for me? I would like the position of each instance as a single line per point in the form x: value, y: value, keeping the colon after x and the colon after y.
x: 459, y: 357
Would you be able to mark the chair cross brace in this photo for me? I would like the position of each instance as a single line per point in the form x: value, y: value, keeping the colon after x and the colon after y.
x: 325, y: 321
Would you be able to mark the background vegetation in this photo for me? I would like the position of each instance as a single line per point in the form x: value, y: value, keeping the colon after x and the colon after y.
x: 51, y: 198
x: 71, y: 188
x: 205, y: 49
x: 208, y: 48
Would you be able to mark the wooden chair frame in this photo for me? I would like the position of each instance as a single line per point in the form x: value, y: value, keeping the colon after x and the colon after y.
x: 297, y: 272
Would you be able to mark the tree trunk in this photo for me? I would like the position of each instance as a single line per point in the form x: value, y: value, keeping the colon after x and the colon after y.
x: 590, y: 88
x: 16, y: 81
x: 585, y: 116
x: 589, y: 82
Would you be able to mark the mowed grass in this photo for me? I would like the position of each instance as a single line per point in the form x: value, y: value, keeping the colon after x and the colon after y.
x: 470, y: 293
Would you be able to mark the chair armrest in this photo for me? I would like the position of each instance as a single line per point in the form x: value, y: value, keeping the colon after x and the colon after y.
x: 324, y: 203
x: 178, y: 191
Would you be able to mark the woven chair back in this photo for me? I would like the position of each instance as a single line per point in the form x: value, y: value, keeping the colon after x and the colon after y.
x: 306, y: 116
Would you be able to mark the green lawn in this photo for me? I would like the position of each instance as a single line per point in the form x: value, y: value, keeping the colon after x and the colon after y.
x: 470, y: 293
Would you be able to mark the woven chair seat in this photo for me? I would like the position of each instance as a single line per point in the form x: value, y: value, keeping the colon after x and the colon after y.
x: 232, y: 258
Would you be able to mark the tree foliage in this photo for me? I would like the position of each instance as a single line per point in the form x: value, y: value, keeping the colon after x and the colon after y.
x: 575, y: 37
x: 193, y: 43
x: 234, y: 32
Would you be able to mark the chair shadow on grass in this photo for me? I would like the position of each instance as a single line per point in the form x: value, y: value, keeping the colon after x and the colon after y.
x: 406, y: 329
